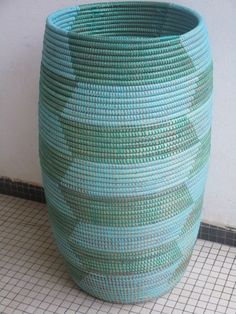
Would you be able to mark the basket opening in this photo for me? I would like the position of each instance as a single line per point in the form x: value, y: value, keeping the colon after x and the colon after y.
x: 140, y: 19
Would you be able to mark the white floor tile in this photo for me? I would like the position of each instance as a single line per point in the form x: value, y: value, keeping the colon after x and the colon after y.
x: 33, y: 278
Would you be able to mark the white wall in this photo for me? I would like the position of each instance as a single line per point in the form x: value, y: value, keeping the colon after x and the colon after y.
x: 22, y: 26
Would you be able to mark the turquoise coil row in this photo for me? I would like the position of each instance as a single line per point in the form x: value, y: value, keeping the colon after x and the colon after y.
x: 124, y: 134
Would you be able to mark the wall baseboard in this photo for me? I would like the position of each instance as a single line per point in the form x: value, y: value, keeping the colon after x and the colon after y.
x: 21, y: 189
x: 223, y: 235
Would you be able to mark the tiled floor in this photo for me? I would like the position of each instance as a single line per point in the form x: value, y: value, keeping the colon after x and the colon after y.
x: 33, y: 278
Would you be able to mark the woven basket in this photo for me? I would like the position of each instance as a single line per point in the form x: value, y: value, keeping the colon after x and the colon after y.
x: 124, y: 131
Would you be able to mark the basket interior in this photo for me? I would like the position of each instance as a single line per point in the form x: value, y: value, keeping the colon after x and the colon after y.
x: 128, y: 19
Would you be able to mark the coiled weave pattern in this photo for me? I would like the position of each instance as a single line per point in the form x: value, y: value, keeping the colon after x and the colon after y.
x: 125, y: 114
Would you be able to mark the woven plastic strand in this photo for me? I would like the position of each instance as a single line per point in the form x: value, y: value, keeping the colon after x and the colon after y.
x: 124, y: 132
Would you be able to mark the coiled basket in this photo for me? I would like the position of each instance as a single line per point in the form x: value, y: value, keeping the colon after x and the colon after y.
x: 124, y: 131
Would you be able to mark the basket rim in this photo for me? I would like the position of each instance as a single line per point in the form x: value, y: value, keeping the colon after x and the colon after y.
x: 50, y: 22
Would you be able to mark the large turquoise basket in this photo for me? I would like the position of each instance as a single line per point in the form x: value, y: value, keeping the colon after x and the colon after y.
x: 124, y: 131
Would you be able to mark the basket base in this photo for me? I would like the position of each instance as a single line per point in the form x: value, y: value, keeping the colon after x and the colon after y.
x: 133, y: 296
